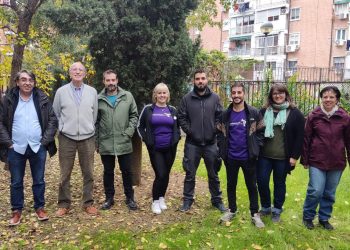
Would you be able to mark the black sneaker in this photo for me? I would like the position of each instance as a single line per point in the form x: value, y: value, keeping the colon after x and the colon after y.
x: 108, y: 204
x: 308, y: 224
x: 326, y: 225
x: 185, y: 206
x: 220, y: 206
x: 131, y: 204
x: 276, y: 218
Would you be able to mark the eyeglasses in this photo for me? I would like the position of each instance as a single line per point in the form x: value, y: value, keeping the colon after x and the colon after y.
x: 278, y: 93
x: 24, y: 80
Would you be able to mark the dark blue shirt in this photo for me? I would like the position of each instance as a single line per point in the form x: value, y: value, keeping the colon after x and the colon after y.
x: 237, y: 144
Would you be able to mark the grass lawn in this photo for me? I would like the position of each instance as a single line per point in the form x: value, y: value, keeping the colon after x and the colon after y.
x: 207, y: 233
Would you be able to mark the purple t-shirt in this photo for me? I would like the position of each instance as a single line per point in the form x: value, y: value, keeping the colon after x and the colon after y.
x: 237, y: 143
x: 162, y: 123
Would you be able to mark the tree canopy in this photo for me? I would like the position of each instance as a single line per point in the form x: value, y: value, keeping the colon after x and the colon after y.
x: 146, y: 42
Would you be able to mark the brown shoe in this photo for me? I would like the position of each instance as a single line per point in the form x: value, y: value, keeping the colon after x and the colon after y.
x: 41, y: 214
x: 91, y: 210
x: 62, y: 211
x: 16, y: 218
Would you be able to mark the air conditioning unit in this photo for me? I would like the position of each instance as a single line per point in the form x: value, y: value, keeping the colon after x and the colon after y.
x: 292, y: 48
x: 339, y: 43
x: 343, y: 16
x: 284, y: 11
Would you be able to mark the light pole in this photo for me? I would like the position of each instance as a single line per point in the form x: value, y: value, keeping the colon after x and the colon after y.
x: 266, y: 29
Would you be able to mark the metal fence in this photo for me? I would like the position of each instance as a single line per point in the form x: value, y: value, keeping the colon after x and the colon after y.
x: 304, y: 94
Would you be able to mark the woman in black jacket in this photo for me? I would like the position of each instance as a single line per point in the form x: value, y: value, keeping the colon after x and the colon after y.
x: 284, y: 132
x: 159, y: 129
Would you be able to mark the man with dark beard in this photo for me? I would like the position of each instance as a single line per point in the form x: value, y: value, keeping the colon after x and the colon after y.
x: 115, y: 126
x: 239, y: 146
x: 199, y: 115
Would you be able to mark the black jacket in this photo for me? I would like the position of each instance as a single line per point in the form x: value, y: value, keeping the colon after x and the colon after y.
x: 199, y: 117
x: 47, y: 119
x: 145, y: 130
x: 255, y: 135
x: 293, y: 134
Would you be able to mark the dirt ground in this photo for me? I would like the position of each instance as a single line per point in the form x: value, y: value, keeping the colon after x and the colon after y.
x: 70, y: 228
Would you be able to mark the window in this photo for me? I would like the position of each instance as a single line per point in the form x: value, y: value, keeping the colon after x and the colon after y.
x: 294, y: 39
x: 340, y: 34
x: 341, y: 8
x: 292, y: 64
x: 273, y: 15
x: 339, y: 62
x: 272, y: 41
x: 295, y: 14
x: 271, y: 65
x: 268, y: 15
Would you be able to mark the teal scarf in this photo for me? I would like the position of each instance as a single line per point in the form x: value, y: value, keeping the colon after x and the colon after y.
x: 270, y: 121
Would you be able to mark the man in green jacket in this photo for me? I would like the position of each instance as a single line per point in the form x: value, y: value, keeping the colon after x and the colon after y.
x: 115, y: 126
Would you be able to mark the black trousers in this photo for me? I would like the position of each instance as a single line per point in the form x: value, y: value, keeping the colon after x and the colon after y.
x: 249, y: 172
x: 108, y: 174
x: 162, y: 161
x: 192, y: 156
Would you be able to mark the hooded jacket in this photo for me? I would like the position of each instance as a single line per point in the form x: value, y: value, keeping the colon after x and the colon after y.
x: 326, y: 140
x: 199, y: 117
x: 116, y: 124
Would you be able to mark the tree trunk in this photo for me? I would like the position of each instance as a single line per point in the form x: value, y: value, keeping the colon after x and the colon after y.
x: 24, y: 20
x: 136, y: 158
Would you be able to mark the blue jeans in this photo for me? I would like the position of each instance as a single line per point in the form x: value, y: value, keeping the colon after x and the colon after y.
x: 321, y: 191
x: 265, y: 167
x: 17, y: 165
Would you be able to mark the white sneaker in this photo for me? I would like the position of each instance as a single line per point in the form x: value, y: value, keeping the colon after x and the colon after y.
x: 156, y: 208
x: 162, y: 204
x: 257, y: 221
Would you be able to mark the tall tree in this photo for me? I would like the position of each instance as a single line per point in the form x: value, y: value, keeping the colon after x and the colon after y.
x: 24, y: 11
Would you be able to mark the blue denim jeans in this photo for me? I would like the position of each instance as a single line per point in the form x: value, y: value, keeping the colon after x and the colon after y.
x: 265, y: 167
x: 321, y: 192
x: 17, y: 165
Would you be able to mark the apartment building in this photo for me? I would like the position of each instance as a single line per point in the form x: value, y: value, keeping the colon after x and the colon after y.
x: 212, y: 37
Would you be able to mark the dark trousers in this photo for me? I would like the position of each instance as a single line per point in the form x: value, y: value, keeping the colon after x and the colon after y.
x: 17, y: 164
x: 192, y: 156
x: 249, y: 171
x: 265, y: 167
x: 161, y: 160
x: 108, y: 174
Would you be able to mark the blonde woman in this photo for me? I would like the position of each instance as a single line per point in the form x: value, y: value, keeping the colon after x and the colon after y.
x: 159, y: 129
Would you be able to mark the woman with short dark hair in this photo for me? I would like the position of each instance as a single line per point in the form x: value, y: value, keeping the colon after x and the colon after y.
x: 326, y: 143
x: 283, y: 140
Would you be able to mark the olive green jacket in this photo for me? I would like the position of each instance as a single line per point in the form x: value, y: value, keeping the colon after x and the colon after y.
x: 116, y: 125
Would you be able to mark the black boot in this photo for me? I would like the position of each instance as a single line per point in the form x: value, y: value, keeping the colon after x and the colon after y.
x: 186, y: 206
x: 131, y: 204
x: 108, y: 204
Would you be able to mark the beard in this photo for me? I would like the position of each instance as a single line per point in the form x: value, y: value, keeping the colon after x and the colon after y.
x: 111, y: 88
x: 199, y: 89
x: 237, y: 100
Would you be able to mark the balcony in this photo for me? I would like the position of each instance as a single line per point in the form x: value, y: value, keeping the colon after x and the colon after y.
x: 240, y: 52
x: 241, y: 30
x: 271, y: 4
x: 256, y: 52
x: 275, y: 50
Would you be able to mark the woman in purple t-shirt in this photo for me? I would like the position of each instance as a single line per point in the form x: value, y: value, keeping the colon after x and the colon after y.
x: 159, y: 129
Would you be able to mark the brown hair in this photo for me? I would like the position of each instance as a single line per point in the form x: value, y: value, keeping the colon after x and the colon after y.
x: 109, y: 71
x: 280, y: 87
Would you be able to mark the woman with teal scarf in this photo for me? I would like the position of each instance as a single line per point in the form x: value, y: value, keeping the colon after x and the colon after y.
x: 284, y: 133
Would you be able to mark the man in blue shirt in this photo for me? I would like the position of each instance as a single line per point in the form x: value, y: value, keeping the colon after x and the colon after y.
x: 27, y: 128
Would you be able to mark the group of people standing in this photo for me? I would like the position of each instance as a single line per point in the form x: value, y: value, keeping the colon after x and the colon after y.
x: 261, y: 142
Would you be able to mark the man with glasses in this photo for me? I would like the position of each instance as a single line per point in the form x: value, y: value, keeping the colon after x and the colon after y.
x: 75, y: 105
x: 27, y: 128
